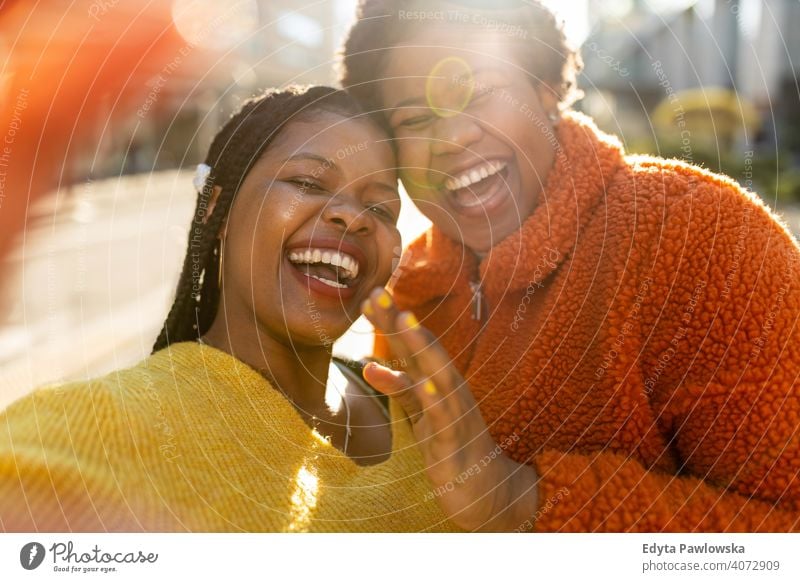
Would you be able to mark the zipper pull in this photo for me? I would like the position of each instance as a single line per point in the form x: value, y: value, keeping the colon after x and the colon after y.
x: 477, y: 301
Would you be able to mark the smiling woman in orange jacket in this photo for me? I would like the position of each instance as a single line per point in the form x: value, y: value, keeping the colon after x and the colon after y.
x: 627, y: 325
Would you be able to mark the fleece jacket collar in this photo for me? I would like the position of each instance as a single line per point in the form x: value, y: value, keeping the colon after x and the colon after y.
x: 586, y: 162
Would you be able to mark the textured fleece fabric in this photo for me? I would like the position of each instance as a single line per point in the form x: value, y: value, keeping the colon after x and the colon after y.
x: 192, y: 439
x: 639, y: 345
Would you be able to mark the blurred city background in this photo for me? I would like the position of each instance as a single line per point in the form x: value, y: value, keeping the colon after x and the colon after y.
x: 88, y: 283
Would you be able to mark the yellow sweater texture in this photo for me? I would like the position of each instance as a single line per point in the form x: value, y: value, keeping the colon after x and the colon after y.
x: 192, y: 439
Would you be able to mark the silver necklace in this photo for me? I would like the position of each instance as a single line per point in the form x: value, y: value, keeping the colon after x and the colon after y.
x: 265, y: 375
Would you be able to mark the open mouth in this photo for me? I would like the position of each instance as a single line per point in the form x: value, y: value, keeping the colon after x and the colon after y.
x: 334, y: 269
x: 479, y: 189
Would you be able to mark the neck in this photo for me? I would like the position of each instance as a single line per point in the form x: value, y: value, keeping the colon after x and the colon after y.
x: 300, y: 373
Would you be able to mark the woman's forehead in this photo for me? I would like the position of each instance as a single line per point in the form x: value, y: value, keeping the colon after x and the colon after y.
x: 417, y: 56
x: 410, y: 68
x: 325, y: 132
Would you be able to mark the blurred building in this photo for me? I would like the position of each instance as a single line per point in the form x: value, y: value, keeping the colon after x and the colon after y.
x: 640, y: 54
x: 248, y: 45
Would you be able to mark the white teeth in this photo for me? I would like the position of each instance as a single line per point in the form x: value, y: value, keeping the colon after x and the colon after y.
x: 474, y: 175
x: 345, y: 262
x: 329, y: 282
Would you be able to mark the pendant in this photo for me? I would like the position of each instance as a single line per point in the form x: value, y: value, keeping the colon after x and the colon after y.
x: 477, y: 301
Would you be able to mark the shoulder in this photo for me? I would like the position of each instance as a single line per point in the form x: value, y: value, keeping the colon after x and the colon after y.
x: 60, y: 413
x: 672, y: 194
x: 63, y: 449
x: 675, y: 181
x: 98, y: 402
x: 654, y: 178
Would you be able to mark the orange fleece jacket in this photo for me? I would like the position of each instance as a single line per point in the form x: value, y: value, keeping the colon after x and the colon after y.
x: 640, y: 343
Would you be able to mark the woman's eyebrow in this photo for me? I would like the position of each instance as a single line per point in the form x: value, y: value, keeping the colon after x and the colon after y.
x: 388, y: 188
x: 410, y: 101
x: 420, y: 100
x: 327, y: 163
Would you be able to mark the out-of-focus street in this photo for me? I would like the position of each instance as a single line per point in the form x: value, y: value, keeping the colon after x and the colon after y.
x: 89, y: 285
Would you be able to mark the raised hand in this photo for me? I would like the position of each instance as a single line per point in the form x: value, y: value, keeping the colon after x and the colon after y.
x: 477, y: 486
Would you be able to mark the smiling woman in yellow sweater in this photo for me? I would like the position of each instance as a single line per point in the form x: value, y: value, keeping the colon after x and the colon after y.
x: 241, y: 420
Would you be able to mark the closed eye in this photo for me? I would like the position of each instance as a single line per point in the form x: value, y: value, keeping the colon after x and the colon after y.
x: 382, y: 210
x: 416, y: 122
x: 306, y: 183
x: 483, y: 92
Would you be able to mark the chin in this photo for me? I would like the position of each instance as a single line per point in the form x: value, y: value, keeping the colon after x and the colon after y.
x: 313, y: 338
x: 485, y: 242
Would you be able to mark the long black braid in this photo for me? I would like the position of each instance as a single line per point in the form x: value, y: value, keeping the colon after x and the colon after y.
x: 233, y: 152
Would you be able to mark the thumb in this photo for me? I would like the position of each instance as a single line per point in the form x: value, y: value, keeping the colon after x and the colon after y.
x: 396, y: 385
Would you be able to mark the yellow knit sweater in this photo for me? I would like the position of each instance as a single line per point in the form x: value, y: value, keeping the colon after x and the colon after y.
x: 192, y: 439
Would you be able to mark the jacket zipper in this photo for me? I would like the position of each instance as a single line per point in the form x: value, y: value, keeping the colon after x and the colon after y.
x: 477, y: 301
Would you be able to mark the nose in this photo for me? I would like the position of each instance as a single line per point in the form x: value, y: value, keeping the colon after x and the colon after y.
x: 452, y: 135
x: 345, y: 213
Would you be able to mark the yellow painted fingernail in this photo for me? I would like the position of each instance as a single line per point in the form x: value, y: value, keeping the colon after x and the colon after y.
x: 429, y: 387
x: 411, y: 321
x: 366, y: 308
x: 384, y: 300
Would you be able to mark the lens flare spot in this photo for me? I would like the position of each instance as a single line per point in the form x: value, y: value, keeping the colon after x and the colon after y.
x: 215, y: 25
x: 449, y: 86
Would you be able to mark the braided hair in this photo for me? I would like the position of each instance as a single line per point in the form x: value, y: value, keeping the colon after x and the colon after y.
x: 539, y: 39
x: 233, y: 152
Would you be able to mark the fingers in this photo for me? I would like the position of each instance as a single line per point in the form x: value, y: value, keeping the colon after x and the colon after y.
x: 408, y: 340
x: 382, y: 313
x: 436, y: 374
x: 396, y: 385
x: 430, y: 373
x: 430, y: 358
x: 380, y: 309
x: 385, y: 380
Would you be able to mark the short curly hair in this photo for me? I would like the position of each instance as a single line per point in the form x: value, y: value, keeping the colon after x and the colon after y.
x: 543, y: 49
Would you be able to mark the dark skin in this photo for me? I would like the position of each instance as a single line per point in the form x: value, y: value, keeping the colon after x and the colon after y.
x: 328, y: 179
x: 453, y: 104
x: 498, y: 494
x: 456, y: 98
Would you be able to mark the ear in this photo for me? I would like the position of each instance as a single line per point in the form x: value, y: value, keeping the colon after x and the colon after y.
x: 548, y: 98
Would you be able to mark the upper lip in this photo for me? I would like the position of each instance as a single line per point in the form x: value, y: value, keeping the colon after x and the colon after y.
x: 334, y: 244
x: 458, y: 171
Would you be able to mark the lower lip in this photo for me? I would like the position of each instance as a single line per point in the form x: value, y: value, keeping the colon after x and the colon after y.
x: 320, y: 288
x: 498, y: 194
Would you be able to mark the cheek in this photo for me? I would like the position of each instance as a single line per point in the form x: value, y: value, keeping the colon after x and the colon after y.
x: 413, y: 158
x: 541, y: 155
x: 255, y: 234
